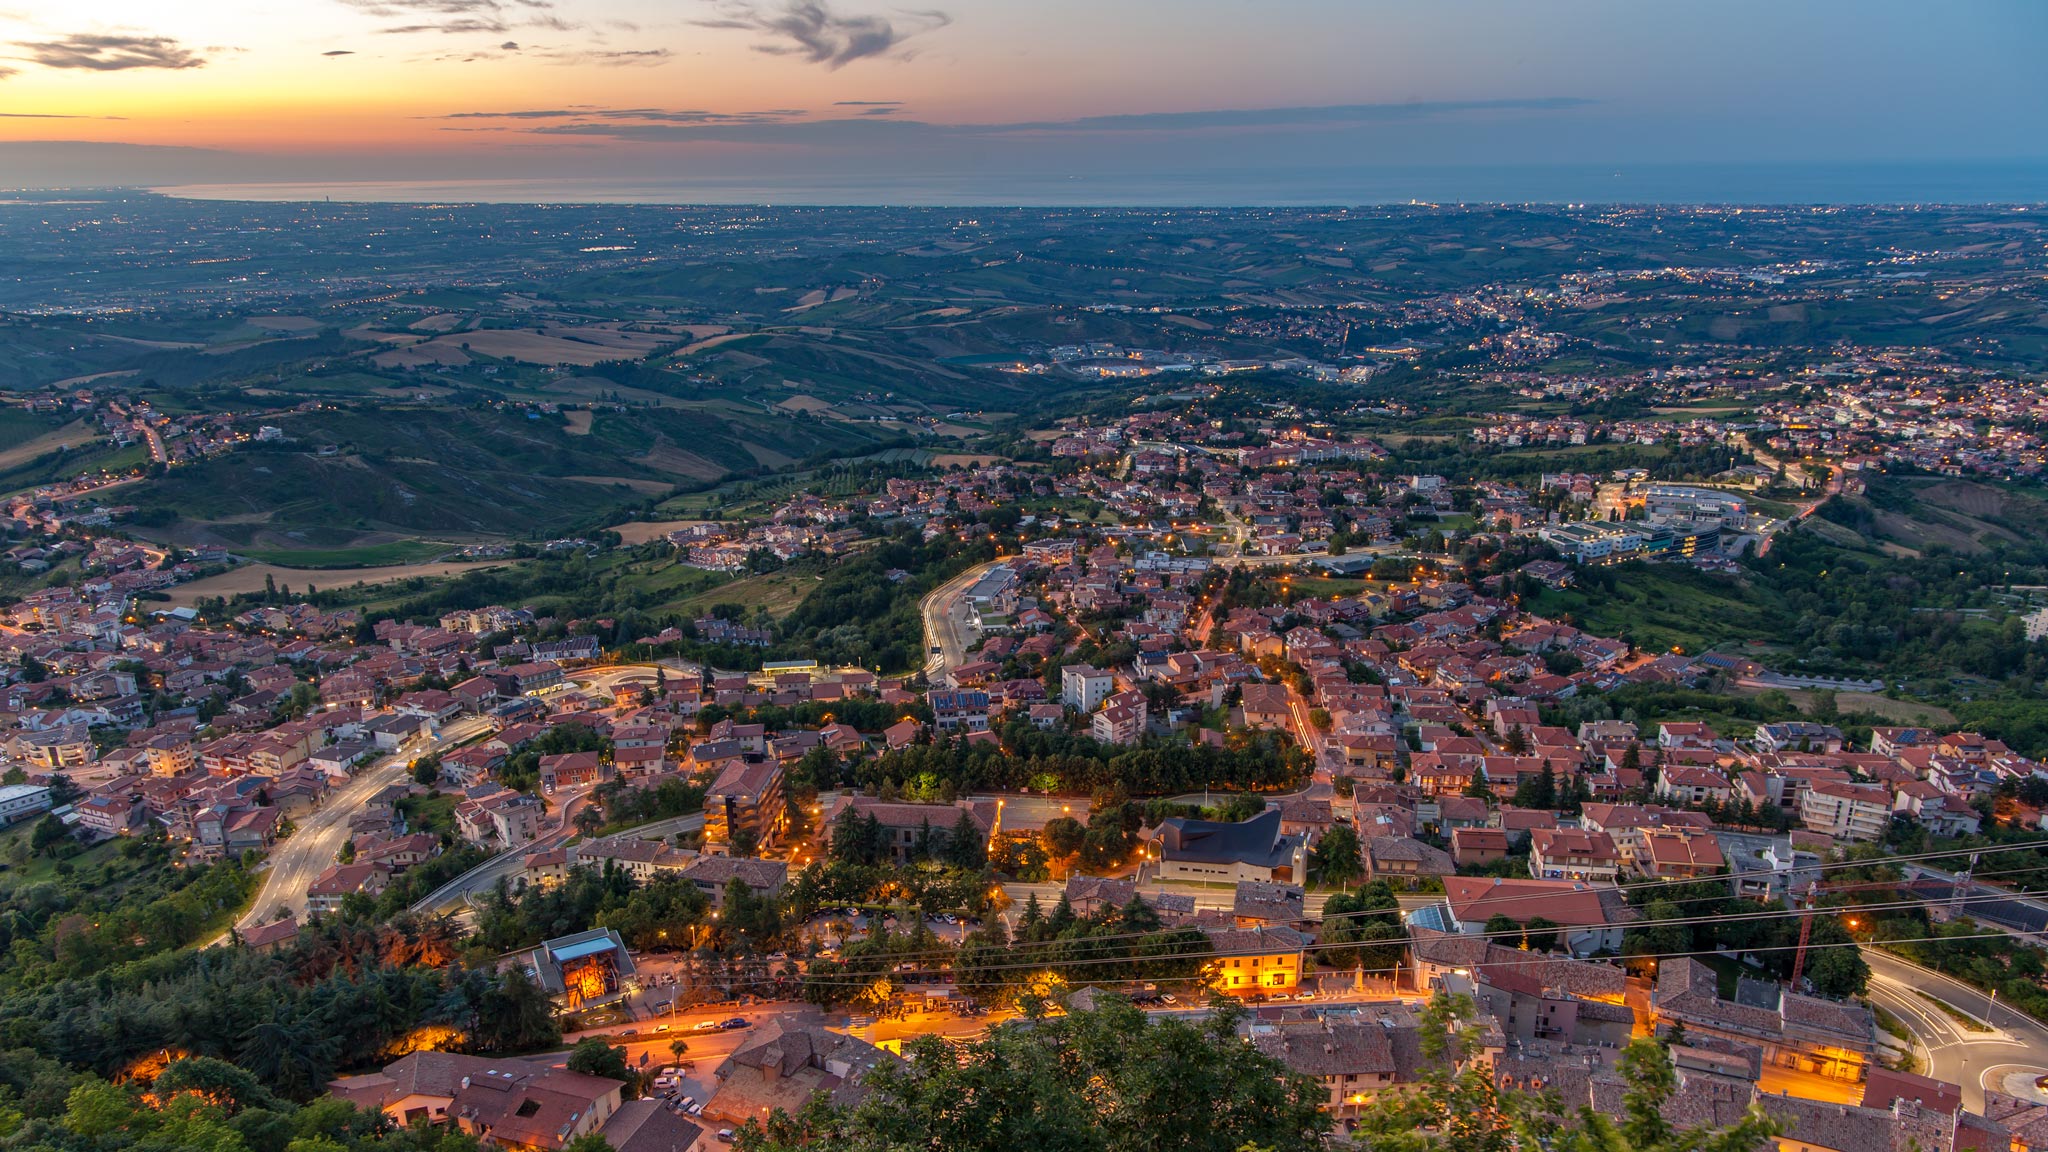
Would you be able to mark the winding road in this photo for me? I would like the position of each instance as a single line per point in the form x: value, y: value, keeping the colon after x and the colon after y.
x: 298, y: 860
x: 2007, y: 1059
x: 454, y: 895
x: 947, y: 632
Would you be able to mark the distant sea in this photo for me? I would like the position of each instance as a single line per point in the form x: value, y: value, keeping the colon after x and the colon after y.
x: 1959, y: 183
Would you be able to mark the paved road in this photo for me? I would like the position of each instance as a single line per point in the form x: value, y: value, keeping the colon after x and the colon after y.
x: 945, y: 622
x: 605, y: 678
x: 1325, y: 760
x: 2005, y: 1060
x: 454, y: 895
x: 312, y: 846
x: 1829, y: 491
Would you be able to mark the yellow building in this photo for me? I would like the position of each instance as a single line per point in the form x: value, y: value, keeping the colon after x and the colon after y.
x: 1256, y: 961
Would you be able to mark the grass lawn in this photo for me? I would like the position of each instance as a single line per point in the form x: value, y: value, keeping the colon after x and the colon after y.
x: 43, y: 869
x: 1892, y: 1025
x: 434, y: 813
x: 778, y: 592
x: 1970, y: 1023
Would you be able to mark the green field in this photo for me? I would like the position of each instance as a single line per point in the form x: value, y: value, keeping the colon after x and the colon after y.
x: 42, y: 869
x: 778, y: 592
x: 1658, y: 608
x: 19, y: 426
x: 69, y: 464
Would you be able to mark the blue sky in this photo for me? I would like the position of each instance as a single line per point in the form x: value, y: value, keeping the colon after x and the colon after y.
x: 395, y: 89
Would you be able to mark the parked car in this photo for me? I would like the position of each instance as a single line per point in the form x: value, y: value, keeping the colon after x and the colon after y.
x: 735, y: 1022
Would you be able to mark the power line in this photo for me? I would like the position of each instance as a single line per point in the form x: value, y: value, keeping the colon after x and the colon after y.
x: 1050, y: 960
x: 1636, y: 888
x: 1532, y: 959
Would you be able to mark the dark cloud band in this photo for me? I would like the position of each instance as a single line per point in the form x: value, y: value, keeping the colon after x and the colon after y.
x: 100, y: 52
x: 814, y: 31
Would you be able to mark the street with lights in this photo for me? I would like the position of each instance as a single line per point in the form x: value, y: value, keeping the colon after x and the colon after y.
x: 300, y: 858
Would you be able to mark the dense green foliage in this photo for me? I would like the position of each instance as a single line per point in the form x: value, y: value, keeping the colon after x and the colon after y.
x: 1105, y: 1081
x: 1835, y: 971
x: 1112, y: 1080
x: 1045, y: 761
x: 1363, y: 929
x: 133, y: 903
x: 345, y: 996
x: 206, y: 1105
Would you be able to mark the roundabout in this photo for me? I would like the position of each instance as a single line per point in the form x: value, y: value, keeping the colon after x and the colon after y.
x: 2027, y: 1082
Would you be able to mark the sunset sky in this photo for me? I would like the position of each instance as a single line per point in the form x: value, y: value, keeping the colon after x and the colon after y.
x: 392, y: 89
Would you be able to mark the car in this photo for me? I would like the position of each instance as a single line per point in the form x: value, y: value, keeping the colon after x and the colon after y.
x: 672, y: 1071
x: 735, y: 1022
x: 663, y: 1027
x: 1278, y: 996
x: 1170, y: 998
x: 695, y: 1109
x: 686, y: 1101
x: 938, y: 650
x: 706, y: 1026
x: 664, y: 1083
x: 725, y: 1134
x: 1305, y: 996
x: 629, y: 1031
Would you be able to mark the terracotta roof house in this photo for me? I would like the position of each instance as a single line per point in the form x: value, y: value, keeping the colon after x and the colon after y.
x: 783, y: 1064
x: 1806, y: 1032
x: 1405, y: 858
x: 515, y: 1103
x: 1590, y: 916
x: 1262, y: 902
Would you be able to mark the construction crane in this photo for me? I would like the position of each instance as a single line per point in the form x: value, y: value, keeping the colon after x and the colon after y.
x: 1805, y: 932
x: 1812, y: 904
